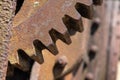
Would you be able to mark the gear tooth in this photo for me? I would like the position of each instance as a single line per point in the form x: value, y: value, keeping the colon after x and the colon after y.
x: 20, y: 60
x: 38, y: 57
x: 73, y: 13
x: 72, y: 23
x: 65, y: 37
x: 49, y: 44
x: 97, y: 2
x: 38, y: 51
x: 39, y: 46
x: 85, y: 10
x: 53, y: 49
x: 24, y: 60
x: 10, y: 69
x: 13, y: 59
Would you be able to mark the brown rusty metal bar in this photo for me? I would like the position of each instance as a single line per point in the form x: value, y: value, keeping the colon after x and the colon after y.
x: 100, y: 39
x: 95, y: 69
x: 7, y: 8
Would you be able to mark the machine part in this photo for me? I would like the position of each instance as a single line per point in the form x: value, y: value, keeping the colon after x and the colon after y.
x: 44, y: 68
x: 37, y: 32
x: 6, y: 16
x: 105, y: 37
x: 97, y: 47
x: 25, y: 9
x: 47, y: 29
x: 99, y: 39
x: 59, y: 66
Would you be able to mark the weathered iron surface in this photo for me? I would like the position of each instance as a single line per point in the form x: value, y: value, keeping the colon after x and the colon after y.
x: 40, y: 29
x: 70, y: 51
x: 96, y: 68
x: 97, y: 65
x: 43, y: 31
x: 6, y: 15
x: 25, y: 9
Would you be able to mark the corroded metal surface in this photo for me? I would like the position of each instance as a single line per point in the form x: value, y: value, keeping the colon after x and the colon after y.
x: 70, y: 51
x: 26, y: 9
x: 95, y: 68
x: 36, y: 35
x: 43, y: 31
x: 99, y: 38
x: 6, y: 15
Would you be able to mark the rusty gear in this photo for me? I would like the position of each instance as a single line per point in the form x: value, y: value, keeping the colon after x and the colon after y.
x: 56, y: 19
x: 43, y: 31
